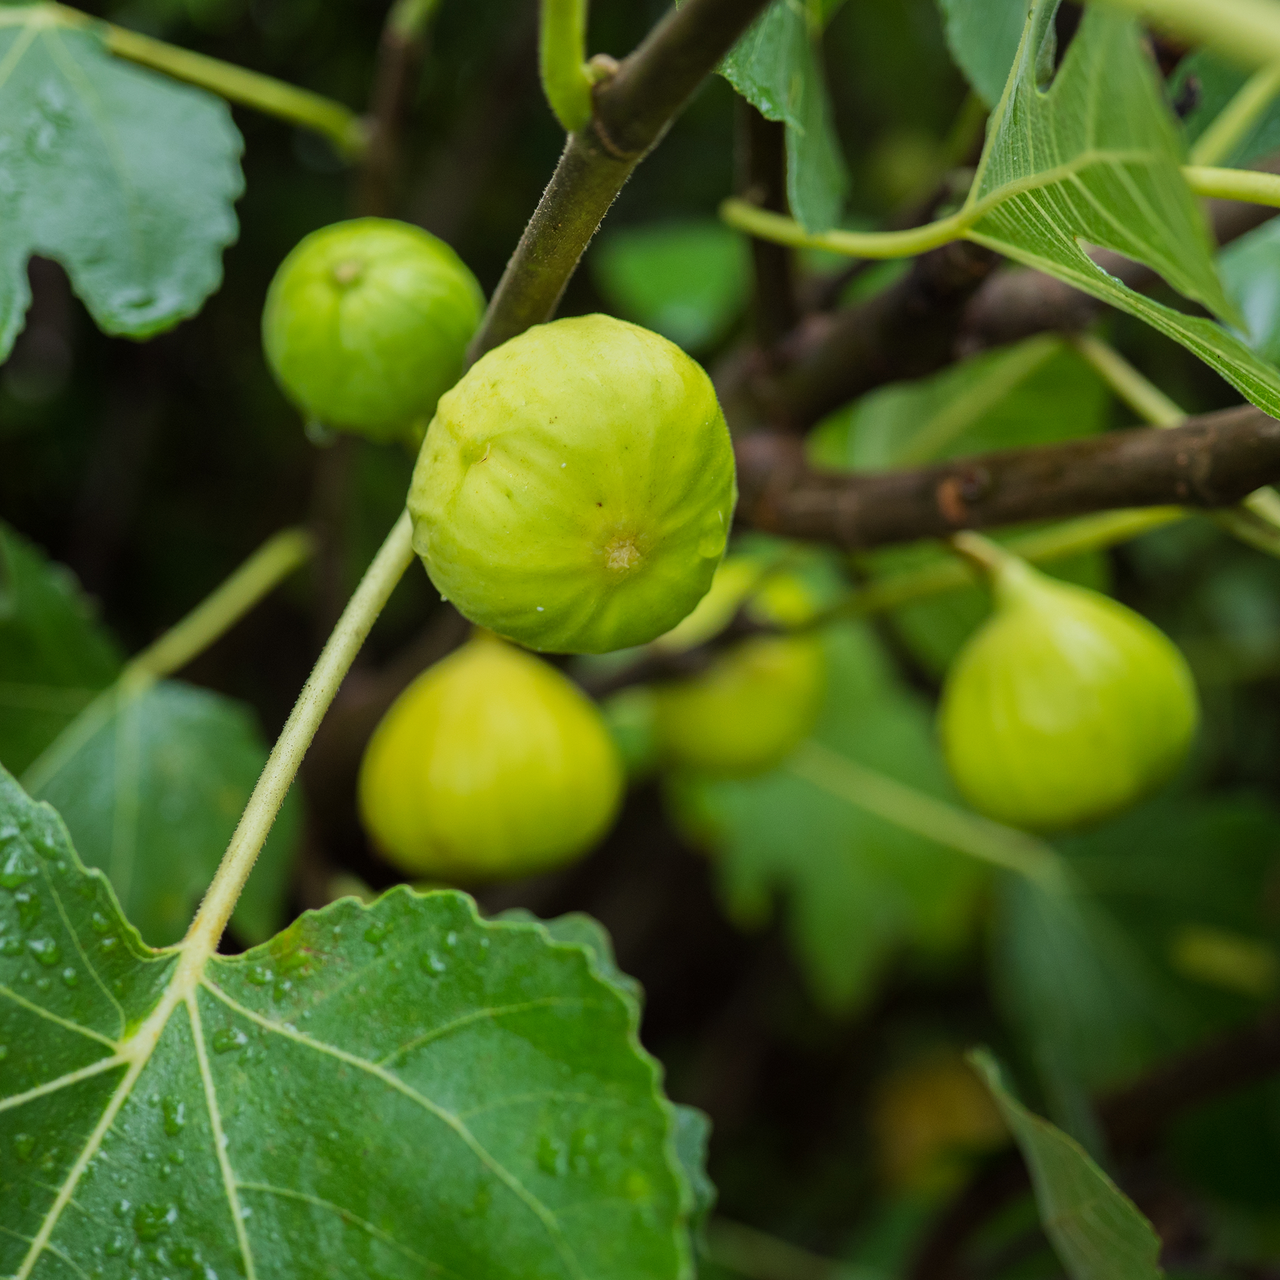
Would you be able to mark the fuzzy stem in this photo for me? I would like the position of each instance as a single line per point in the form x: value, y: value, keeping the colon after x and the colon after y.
x: 1248, y: 185
x: 322, y: 685
x: 1235, y: 120
x: 336, y: 122
x: 562, y: 58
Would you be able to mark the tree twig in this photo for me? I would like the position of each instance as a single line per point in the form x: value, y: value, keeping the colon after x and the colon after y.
x: 633, y: 108
x: 1209, y: 461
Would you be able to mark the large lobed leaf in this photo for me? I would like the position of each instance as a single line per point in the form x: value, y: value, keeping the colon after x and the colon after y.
x: 150, y: 779
x: 1094, y: 159
x: 126, y: 178
x: 402, y: 1090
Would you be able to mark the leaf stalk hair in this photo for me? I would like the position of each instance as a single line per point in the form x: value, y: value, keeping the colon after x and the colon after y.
x: 375, y: 588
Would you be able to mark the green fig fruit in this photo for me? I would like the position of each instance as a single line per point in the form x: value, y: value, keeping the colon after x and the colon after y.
x: 491, y: 765
x: 367, y: 323
x: 1065, y: 706
x: 575, y: 489
x: 757, y: 700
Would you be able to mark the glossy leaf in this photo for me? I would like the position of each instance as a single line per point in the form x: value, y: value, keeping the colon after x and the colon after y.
x: 983, y: 37
x: 1096, y: 1230
x: 126, y: 178
x: 688, y: 281
x: 777, y: 67
x: 1095, y: 159
x: 54, y: 653
x: 151, y: 786
x: 855, y: 887
x: 399, y: 1090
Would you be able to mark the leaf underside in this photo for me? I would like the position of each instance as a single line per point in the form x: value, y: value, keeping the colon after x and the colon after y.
x: 124, y: 177
x: 1094, y: 160
x: 402, y: 1090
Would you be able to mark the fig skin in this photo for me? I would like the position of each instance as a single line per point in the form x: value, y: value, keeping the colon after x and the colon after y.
x: 491, y: 765
x: 757, y: 701
x: 1064, y: 707
x: 367, y: 323
x: 575, y: 489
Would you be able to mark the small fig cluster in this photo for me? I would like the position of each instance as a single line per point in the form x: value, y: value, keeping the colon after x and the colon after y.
x: 1065, y: 706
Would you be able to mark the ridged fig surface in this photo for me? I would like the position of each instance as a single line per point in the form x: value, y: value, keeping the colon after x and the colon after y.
x: 576, y: 487
x: 367, y: 322
x: 490, y: 765
x: 1065, y: 707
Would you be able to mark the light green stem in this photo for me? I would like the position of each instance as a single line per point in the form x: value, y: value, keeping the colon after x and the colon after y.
x: 1057, y: 542
x: 1256, y: 519
x: 278, y: 557
x: 1138, y: 392
x: 1247, y: 185
x: 1246, y: 31
x: 342, y: 126
x: 1235, y: 120
x: 410, y: 18
x: 562, y: 61
x: 926, y: 816
x: 1228, y: 184
x: 331, y: 667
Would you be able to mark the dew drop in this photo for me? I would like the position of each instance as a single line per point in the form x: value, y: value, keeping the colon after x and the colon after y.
x: 29, y: 907
x: 4, y: 1052
x: 70, y: 977
x: 16, y: 868
x: 45, y: 950
x: 376, y: 932
x: 115, y: 1246
x: 260, y: 975
x: 99, y: 923
x: 151, y: 1221
x: 229, y: 1038
x: 24, y: 1144
x: 432, y: 963
x: 175, y: 1115
x: 553, y: 1156
x: 109, y: 943
x: 11, y: 946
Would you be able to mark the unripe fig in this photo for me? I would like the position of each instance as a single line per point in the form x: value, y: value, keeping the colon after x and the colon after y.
x: 367, y: 322
x: 490, y: 765
x: 758, y: 699
x: 1065, y: 706
x: 575, y: 489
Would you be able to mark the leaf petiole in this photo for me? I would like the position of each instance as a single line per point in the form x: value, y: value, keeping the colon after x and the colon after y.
x: 562, y: 61
x: 278, y: 557
x: 342, y: 126
x: 1235, y: 120
x: 327, y: 675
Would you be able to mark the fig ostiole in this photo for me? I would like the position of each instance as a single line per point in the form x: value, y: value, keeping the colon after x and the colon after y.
x: 491, y: 765
x: 1065, y: 706
x: 757, y: 699
x: 366, y: 324
x: 575, y: 489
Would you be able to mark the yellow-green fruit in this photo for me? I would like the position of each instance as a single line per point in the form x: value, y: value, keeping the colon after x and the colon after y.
x: 756, y: 701
x: 1064, y: 707
x: 490, y: 765
x: 367, y: 322
x: 575, y: 489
